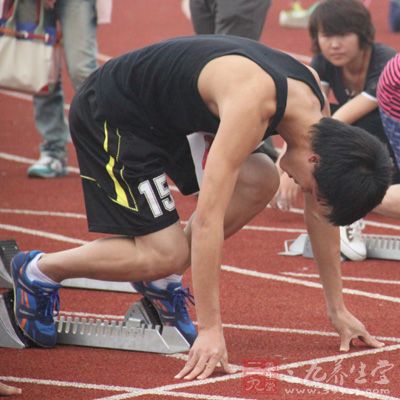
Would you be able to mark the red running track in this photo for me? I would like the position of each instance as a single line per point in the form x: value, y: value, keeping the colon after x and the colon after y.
x: 270, y: 316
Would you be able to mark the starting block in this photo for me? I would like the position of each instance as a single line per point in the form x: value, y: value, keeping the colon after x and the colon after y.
x: 8, y: 249
x: 384, y: 247
x: 140, y: 330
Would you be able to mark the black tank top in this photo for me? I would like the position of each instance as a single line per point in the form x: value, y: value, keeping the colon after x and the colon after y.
x: 154, y: 90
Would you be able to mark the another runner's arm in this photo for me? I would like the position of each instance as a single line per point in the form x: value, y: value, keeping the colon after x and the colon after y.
x: 356, y: 108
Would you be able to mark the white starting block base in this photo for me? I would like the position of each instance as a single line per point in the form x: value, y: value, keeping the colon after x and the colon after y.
x: 384, y: 247
x: 9, y: 248
x: 134, y: 333
x: 85, y: 283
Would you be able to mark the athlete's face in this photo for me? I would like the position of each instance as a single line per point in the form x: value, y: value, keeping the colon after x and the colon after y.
x: 340, y: 50
x: 300, y: 167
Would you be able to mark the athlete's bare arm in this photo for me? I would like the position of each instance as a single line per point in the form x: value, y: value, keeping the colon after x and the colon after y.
x: 243, y: 96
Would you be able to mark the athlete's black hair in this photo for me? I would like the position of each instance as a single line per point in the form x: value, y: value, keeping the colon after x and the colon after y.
x: 353, y: 172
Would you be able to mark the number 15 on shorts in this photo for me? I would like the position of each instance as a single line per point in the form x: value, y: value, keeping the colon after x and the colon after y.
x: 160, y: 200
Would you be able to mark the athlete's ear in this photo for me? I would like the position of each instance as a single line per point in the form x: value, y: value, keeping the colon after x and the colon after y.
x: 314, y: 158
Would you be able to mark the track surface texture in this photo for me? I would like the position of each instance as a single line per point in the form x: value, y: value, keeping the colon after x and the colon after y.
x: 273, y: 308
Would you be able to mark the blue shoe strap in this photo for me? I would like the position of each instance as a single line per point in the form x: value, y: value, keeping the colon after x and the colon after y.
x: 181, y: 298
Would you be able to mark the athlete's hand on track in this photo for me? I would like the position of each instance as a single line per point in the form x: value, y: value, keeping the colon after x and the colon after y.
x: 6, y: 390
x: 207, y: 351
x: 349, y: 328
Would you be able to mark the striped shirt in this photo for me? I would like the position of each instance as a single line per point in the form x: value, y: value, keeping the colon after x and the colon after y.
x: 388, y: 92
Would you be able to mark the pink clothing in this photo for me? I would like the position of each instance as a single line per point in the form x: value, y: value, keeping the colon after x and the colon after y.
x: 388, y: 91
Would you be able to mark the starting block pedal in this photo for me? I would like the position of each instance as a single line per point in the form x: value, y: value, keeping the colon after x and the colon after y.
x: 10, y: 334
x: 384, y: 247
x: 140, y: 330
x: 8, y: 249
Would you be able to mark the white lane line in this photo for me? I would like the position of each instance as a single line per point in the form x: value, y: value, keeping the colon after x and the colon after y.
x: 337, y: 357
x: 225, y: 378
x: 330, y: 388
x: 382, y: 225
x: 346, y: 278
x: 273, y: 229
x: 136, y: 392
x: 29, y: 161
x: 246, y: 227
x: 227, y: 268
x: 77, y: 385
x: 258, y: 328
x: 155, y: 392
x: 395, y: 227
x: 24, y: 96
x: 42, y: 213
x: 48, y: 235
x: 83, y: 216
x: 298, y: 331
x: 302, y: 282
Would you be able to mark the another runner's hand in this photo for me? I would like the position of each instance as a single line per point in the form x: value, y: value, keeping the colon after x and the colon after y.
x: 286, y: 195
x: 349, y: 328
x: 207, y: 351
x: 6, y: 390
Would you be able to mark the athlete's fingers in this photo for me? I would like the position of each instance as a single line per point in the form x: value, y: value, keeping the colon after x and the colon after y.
x: 369, y: 340
x: 214, y: 363
x: 345, y: 343
x: 190, y: 364
x: 204, y: 363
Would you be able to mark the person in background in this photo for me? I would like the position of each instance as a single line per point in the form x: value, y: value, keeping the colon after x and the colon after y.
x: 245, y: 18
x: 394, y: 15
x: 349, y: 63
x: 78, y: 21
x: 389, y: 103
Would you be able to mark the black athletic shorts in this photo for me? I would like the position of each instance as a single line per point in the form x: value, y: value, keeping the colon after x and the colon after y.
x: 124, y: 176
x: 124, y: 170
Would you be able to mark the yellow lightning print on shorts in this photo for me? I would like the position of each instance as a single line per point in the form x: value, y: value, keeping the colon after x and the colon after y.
x: 121, y: 198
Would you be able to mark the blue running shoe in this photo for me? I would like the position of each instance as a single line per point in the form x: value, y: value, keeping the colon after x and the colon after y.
x: 170, y: 304
x: 35, y: 303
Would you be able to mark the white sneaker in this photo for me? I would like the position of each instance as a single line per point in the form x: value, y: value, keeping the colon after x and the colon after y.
x: 352, y: 244
x: 297, y: 16
x: 48, y: 167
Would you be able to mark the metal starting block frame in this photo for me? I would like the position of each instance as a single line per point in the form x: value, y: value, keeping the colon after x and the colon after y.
x: 384, y: 247
x: 136, y: 332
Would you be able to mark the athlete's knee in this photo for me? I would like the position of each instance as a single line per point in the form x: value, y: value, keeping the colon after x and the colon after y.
x: 260, y: 179
x: 176, y: 260
x: 172, y: 257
